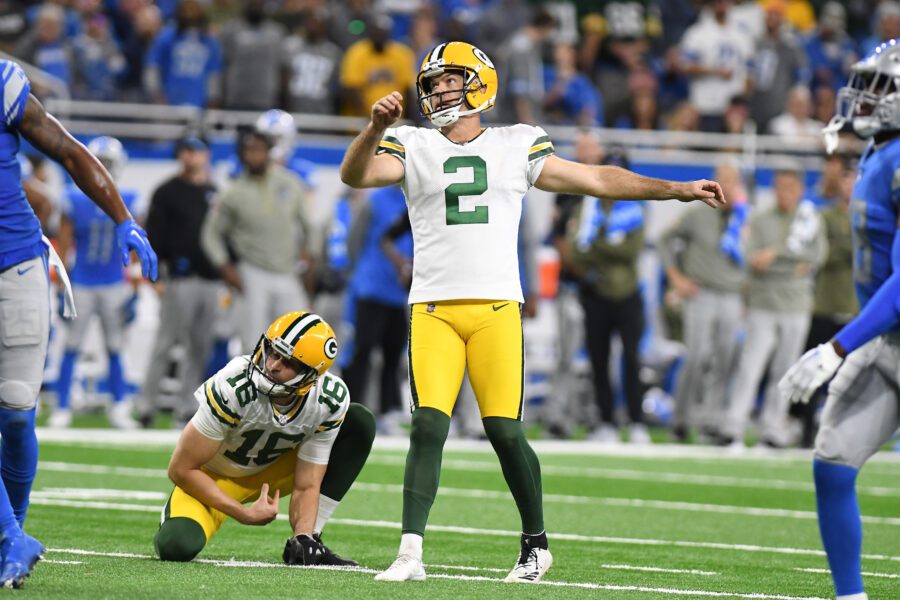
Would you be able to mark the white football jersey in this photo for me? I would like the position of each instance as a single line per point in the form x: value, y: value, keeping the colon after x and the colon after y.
x: 465, y: 202
x: 253, y: 433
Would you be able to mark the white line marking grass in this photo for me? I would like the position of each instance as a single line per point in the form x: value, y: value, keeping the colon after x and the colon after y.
x: 564, y: 584
x: 865, y: 574
x: 61, y: 562
x: 573, y: 537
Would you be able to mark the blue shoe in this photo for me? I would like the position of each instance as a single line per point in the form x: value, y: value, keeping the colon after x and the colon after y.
x: 20, y: 553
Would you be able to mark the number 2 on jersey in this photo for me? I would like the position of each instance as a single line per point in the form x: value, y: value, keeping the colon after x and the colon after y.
x: 476, y: 187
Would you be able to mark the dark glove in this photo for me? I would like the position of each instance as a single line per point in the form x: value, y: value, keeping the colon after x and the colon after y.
x: 302, y: 550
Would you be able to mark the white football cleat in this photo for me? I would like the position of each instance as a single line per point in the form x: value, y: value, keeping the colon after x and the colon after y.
x: 405, y: 568
x: 533, y: 564
x: 60, y: 418
x: 119, y: 415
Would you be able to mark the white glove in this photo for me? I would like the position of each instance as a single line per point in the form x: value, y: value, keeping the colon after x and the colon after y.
x: 809, y: 373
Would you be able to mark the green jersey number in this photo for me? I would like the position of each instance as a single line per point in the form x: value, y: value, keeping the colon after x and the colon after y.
x: 243, y: 388
x: 269, y: 453
x: 476, y: 187
x: 333, y: 393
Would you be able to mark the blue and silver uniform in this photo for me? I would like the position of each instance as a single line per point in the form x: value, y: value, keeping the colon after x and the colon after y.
x: 98, y: 260
x: 20, y: 230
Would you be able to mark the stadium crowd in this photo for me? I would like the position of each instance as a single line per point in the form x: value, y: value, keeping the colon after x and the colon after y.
x: 771, y: 66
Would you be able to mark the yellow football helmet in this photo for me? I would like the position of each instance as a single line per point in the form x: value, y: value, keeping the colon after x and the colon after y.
x: 303, y: 338
x: 479, y: 89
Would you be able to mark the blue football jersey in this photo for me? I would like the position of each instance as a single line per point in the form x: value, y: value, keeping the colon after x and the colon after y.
x: 97, y: 257
x: 873, y: 214
x: 20, y: 230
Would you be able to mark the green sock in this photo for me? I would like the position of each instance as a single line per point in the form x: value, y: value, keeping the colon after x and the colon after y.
x: 521, y: 469
x: 423, y: 467
x: 349, y: 452
x: 179, y: 539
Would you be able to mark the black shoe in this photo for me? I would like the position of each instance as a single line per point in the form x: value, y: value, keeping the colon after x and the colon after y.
x: 680, y: 434
x: 332, y: 559
x: 767, y: 443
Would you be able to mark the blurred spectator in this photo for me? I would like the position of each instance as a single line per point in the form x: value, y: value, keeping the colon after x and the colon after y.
x: 135, y: 48
x: 184, y: 65
x: 603, y: 248
x: 189, y: 286
x: 310, y: 65
x: 423, y: 34
x: 98, y: 61
x: 46, y: 46
x: 886, y: 25
x: 616, y: 39
x: 677, y: 16
x: 737, y: 116
x: 570, y: 97
x: 498, y: 22
x: 13, y: 24
x: 70, y: 20
x: 521, y: 92
x: 778, y: 65
x: 829, y: 49
x: 381, y: 289
x: 251, y: 48
x: 784, y: 247
x: 222, y: 12
x: 800, y: 14
x: 374, y: 67
x: 823, y: 103
x: 835, y: 301
x: 257, y: 235
x: 829, y: 188
x: 704, y: 261
x: 716, y: 53
x: 749, y: 15
x: 796, y: 121
x: 684, y: 117
x: 350, y: 21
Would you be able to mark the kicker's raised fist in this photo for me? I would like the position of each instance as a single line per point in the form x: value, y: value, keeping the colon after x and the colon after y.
x: 387, y: 110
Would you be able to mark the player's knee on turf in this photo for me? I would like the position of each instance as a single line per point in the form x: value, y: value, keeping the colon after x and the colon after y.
x: 17, y: 395
x: 179, y: 539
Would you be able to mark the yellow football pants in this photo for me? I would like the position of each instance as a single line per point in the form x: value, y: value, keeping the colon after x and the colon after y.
x: 279, y: 475
x: 484, y: 336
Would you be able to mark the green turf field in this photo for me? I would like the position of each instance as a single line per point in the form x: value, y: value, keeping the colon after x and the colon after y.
x: 621, y: 526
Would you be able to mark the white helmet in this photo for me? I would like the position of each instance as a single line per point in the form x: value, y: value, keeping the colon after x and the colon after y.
x: 110, y: 152
x: 870, y: 101
x: 280, y: 127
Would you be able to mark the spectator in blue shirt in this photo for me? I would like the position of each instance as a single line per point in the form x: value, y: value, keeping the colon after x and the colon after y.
x: 98, y: 61
x: 184, y: 65
x: 571, y: 98
x: 830, y: 51
x: 47, y: 48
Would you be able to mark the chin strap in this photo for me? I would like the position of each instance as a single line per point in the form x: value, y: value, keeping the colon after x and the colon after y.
x: 830, y: 133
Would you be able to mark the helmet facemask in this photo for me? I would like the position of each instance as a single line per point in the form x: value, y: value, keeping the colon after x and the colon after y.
x: 870, y: 102
x: 430, y: 101
x: 256, y: 370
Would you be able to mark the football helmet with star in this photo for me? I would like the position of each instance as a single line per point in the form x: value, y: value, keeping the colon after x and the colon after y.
x: 306, y: 341
x: 111, y: 154
x: 479, y: 89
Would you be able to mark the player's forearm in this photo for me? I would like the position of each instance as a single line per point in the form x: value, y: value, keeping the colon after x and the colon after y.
x: 359, y: 156
x: 880, y: 315
x: 201, y: 486
x: 95, y: 181
x: 619, y: 184
x: 303, y: 510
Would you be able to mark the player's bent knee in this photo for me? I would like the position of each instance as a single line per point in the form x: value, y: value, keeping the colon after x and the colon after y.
x: 17, y: 395
x: 832, y: 448
x: 360, y: 423
x: 179, y: 539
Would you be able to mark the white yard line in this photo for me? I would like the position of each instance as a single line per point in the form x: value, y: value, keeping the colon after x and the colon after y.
x: 865, y: 574
x: 562, y: 584
x: 167, y: 439
x: 483, y: 466
x: 108, y: 494
x: 494, y: 532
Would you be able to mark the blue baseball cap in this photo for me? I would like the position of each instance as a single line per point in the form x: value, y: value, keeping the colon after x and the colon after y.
x: 191, y: 142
